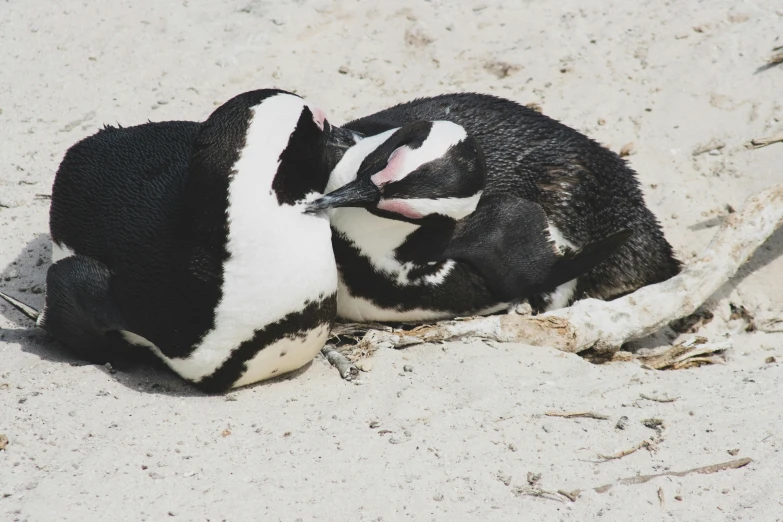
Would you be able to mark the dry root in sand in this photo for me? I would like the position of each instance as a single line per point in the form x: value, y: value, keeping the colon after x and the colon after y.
x: 605, y: 326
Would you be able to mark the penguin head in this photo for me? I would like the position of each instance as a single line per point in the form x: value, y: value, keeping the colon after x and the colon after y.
x: 277, y: 134
x: 424, y: 169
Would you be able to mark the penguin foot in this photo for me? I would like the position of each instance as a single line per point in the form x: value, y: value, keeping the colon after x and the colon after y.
x: 520, y: 309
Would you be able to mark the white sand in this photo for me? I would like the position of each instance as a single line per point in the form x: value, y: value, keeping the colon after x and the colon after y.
x: 87, y: 445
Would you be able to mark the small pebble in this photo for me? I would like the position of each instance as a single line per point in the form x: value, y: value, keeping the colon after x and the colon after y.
x: 733, y: 452
x: 437, y: 497
x: 407, y: 368
x: 770, y: 360
x: 622, y: 423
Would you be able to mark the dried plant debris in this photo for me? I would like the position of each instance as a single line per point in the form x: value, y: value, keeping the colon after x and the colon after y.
x: 776, y: 58
x: 694, y: 352
x: 692, y: 323
x: 740, y: 312
x: 657, y: 399
x: 651, y: 444
x: 581, y: 414
x: 628, y: 149
x: 501, y: 69
x: 757, y: 143
x: 642, y: 479
x: 713, y: 144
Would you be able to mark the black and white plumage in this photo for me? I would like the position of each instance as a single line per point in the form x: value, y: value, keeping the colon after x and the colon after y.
x: 191, y: 239
x: 534, y: 165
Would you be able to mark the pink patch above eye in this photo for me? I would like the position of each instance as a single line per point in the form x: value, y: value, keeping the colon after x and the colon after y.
x: 319, y: 117
x: 393, y: 170
x: 399, y: 206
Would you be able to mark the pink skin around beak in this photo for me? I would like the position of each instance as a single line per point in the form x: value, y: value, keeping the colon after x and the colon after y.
x: 319, y: 117
x: 399, y: 206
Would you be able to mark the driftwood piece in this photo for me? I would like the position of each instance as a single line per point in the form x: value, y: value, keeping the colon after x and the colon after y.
x: 346, y: 368
x: 693, y: 352
x: 606, y: 325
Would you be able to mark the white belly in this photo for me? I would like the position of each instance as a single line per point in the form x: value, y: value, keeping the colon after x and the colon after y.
x: 276, y: 359
x: 60, y: 252
x: 283, y: 356
x: 359, y: 309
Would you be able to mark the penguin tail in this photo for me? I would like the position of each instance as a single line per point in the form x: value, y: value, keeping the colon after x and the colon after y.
x: 27, y: 310
x: 575, y: 264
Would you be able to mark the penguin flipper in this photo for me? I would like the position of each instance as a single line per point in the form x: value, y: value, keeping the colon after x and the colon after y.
x: 574, y: 264
x: 506, y: 239
x: 81, y: 312
x: 27, y: 310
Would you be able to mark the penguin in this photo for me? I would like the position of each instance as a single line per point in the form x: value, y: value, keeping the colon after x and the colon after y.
x: 416, y: 238
x: 586, y: 191
x: 191, y: 240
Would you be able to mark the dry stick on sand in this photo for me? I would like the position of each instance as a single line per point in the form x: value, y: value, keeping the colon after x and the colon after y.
x: 606, y: 325
x: 757, y: 143
x: 641, y: 479
x: 657, y: 399
x: 572, y: 414
x: 346, y: 368
x: 651, y: 443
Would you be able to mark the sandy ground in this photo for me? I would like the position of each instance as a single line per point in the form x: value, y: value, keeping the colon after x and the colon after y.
x: 461, y: 436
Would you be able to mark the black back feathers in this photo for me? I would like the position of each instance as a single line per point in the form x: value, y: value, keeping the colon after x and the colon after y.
x: 507, y: 241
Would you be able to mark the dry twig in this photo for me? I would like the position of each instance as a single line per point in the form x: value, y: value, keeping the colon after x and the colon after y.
x: 657, y: 399
x: 641, y: 479
x: 757, y: 143
x: 605, y: 326
x: 624, y: 453
x: 540, y: 493
x: 651, y: 443
x: 572, y: 414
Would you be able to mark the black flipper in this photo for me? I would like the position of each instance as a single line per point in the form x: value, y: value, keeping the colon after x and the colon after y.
x: 574, y: 264
x: 507, y: 241
x: 81, y: 313
x: 27, y: 310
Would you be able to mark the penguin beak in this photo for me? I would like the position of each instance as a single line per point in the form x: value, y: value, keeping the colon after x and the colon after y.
x: 361, y: 192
